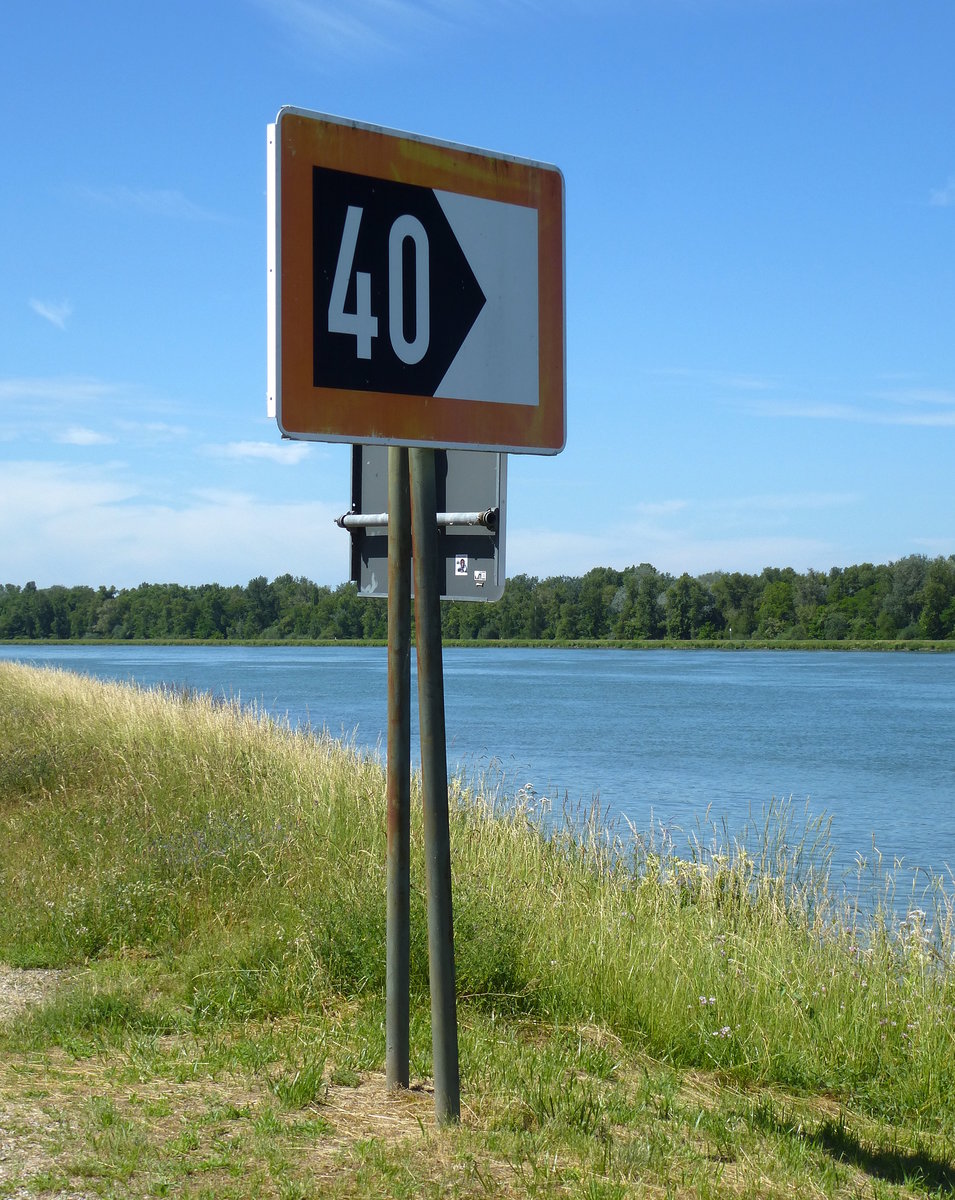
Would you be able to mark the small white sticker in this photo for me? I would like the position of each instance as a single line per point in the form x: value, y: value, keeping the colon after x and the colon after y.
x: 461, y: 565
x: 480, y: 578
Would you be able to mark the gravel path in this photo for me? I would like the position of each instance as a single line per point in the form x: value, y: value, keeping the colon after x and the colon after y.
x: 25, y: 1128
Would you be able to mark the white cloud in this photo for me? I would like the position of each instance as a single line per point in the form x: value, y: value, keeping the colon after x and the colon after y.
x: 788, y: 502
x: 39, y: 492
x: 936, y: 547
x: 713, y: 533
x: 285, y: 453
x: 165, y: 203
x: 154, y: 430
x: 908, y: 405
x: 63, y: 389
x: 322, y: 24
x: 943, y: 197
x: 937, y: 409
x: 376, y: 26
x: 548, y: 552
x: 57, y: 313
x: 73, y: 525
x: 929, y: 396
x: 78, y: 435
x: 736, y: 382
x: 660, y: 508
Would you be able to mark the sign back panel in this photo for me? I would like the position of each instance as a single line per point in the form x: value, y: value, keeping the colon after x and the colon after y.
x: 471, y: 559
x: 416, y: 290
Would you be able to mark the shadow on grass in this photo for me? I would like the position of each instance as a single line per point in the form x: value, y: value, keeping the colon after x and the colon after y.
x: 893, y: 1166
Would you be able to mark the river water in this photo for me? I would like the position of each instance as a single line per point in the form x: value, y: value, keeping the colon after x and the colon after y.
x: 671, y: 740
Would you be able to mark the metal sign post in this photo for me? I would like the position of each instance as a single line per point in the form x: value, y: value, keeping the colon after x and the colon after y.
x: 434, y: 778
x: 397, y: 970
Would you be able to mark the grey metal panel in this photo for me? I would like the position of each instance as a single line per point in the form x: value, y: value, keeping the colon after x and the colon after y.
x: 471, y: 557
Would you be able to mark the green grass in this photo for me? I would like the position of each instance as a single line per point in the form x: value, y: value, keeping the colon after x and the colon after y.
x: 211, y: 886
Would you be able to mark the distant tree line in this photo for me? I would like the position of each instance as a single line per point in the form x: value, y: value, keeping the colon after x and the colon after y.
x: 908, y: 599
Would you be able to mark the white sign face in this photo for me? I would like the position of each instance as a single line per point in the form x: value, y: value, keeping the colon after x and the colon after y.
x: 498, y: 359
x: 415, y: 290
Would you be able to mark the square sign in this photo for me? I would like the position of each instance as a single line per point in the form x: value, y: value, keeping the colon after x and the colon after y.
x: 470, y: 553
x: 416, y: 290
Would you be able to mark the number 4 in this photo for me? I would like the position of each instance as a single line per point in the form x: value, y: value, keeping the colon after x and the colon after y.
x: 360, y: 323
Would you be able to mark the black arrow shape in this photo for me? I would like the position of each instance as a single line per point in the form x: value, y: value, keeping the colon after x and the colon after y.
x: 454, y: 297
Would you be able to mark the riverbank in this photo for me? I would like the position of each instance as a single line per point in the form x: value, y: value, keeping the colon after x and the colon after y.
x: 897, y: 645
x: 210, y: 889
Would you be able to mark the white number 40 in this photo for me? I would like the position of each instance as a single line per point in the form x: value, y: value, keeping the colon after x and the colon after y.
x: 362, y: 324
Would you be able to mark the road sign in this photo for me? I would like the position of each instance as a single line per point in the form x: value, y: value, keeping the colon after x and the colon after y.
x: 416, y: 290
x: 471, y: 492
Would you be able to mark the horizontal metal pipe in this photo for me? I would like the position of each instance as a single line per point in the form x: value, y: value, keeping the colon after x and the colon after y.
x: 486, y: 519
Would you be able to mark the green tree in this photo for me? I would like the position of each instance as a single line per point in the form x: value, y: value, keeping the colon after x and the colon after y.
x: 777, y: 608
x: 261, y: 607
x: 902, y: 604
x: 937, y: 617
x: 595, y: 597
x: 809, y: 600
x: 736, y: 597
x: 690, y: 609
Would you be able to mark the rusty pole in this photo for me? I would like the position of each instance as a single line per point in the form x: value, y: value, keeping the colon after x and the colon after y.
x: 434, y: 777
x: 397, y: 956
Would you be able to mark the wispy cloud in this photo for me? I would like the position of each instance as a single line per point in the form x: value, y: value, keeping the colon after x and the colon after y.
x: 913, y: 396
x: 163, y: 203
x: 64, y: 389
x: 736, y: 382
x: 789, y: 502
x: 927, y: 408
x: 78, y: 435
x: 57, y: 313
x: 943, y: 197
x: 153, y: 430
x: 84, y: 411
x: 763, y: 396
x: 286, y: 453
x: 325, y: 25
x: 375, y: 26
x: 660, y: 508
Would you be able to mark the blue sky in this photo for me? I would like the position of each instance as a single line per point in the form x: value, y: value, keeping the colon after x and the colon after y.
x: 760, y: 277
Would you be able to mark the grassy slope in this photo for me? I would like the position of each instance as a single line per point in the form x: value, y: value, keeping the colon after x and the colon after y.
x: 212, y: 889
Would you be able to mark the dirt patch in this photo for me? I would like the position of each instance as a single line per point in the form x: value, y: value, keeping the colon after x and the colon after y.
x: 27, y: 1133
x: 21, y: 989
x: 370, y: 1110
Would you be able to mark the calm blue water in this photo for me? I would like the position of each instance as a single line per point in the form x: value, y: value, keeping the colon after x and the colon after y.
x: 661, y: 737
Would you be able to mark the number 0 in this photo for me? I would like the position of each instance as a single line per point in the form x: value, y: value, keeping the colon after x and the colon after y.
x: 414, y: 351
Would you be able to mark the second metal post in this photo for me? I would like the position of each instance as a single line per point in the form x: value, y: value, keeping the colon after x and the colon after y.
x: 434, y: 775
x: 397, y: 1066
